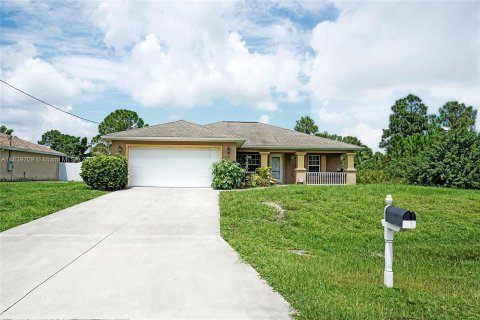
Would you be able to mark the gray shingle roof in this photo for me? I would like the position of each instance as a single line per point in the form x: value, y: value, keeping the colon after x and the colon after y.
x: 251, y: 134
x: 177, y: 129
x: 24, y: 145
x: 260, y: 135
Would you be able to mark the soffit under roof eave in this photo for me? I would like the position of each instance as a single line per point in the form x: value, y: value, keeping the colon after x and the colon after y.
x: 301, y: 148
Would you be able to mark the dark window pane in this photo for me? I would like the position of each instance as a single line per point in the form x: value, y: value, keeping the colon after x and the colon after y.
x: 314, y: 159
x: 249, y: 161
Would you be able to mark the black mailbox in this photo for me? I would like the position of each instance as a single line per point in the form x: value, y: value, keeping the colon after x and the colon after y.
x: 402, y: 218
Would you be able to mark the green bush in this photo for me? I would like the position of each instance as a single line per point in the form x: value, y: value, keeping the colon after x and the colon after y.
x: 451, y: 159
x: 227, y: 174
x: 105, y: 172
x: 262, y: 178
x: 376, y: 176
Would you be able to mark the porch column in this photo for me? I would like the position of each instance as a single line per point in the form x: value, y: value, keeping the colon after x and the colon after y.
x: 264, y: 159
x: 323, y: 163
x: 351, y: 172
x: 300, y: 171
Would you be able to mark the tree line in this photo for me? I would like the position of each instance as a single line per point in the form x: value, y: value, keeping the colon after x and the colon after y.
x: 419, y: 148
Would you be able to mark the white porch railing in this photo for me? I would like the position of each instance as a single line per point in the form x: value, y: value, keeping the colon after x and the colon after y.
x: 326, y: 178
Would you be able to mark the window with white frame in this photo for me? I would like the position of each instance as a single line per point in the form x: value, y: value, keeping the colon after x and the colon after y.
x: 314, y: 163
x: 249, y: 161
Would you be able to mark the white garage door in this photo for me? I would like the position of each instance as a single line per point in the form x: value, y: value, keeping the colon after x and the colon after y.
x: 170, y: 167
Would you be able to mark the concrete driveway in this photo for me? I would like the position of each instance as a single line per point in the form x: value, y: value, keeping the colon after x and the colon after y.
x: 141, y: 253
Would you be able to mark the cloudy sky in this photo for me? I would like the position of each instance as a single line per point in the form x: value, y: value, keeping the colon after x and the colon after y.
x: 342, y: 63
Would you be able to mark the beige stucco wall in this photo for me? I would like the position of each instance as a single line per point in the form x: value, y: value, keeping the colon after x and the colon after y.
x: 333, y: 162
x: 28, y: 166
x: 333, y: 157
x: 224, y: 146
x: 289, y: 165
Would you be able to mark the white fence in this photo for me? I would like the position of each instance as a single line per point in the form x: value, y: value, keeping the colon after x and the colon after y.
x: 69, y: 171
x: 326, y: 178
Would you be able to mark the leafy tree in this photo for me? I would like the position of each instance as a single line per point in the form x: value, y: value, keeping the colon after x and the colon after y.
x: 369, y: 165
x: 118, y: 120
x: 450, y: 159
x: 353, y: 140
x: 75, y: 147
x: 361, y: 156
x: 327, y: 135
x: 5, y: 130
x: 306, y: 125
x: 101, y: 147
x: 455, y: 115
x: 377, y: 161
x: 403, y: 153
x: 409, y: 118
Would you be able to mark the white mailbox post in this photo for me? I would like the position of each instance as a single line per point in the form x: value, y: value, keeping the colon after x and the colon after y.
x: 395, y: 219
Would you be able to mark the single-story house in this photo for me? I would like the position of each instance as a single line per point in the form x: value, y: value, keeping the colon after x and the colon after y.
x: 181, y: 153
x: 23, y: 160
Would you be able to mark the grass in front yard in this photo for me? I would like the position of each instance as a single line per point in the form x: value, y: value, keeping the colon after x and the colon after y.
x: 21, y: 202
x: 337, y: 230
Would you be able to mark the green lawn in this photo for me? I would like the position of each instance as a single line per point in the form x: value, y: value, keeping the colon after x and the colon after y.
x: 436, y: 267
x: 21, y: 202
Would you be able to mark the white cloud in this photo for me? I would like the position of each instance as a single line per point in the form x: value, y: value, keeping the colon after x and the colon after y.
x: 174, y: 117
x: 16, y: 54
x: 377, y: 52
x: 164, y: 54
x: 102, y: 72
x: 267, y: 105
x: 370, y: 52
x: 264, y: 119
x: 368, y: 135
x: 167, y: 62
x: 173, y: 55
x: 334, y: 117
x: 30, y: 118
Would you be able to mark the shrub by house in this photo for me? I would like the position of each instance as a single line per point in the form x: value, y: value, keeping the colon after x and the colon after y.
x: 227, y: 174
x: 105, y: 172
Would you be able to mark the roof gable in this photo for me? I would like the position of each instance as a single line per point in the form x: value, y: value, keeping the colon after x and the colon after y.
x: 175, y: 130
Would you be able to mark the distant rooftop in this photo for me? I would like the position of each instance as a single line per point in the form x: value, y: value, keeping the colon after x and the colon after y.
x: 24, y: 145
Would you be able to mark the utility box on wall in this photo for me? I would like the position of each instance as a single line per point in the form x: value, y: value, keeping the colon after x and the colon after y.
x: 10, y: 164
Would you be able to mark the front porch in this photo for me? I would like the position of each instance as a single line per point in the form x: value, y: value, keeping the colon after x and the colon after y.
x: 312, y: 168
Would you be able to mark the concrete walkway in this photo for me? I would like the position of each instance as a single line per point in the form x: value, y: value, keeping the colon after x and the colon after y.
x: 142, y: 253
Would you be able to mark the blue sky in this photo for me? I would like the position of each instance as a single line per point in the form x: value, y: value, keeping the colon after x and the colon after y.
x: 342, y: 63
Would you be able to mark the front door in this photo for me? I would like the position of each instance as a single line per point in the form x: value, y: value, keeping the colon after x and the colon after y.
x: 276, y: 164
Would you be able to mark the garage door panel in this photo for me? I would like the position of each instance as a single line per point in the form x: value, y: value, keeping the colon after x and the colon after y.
x: 171, y: 167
